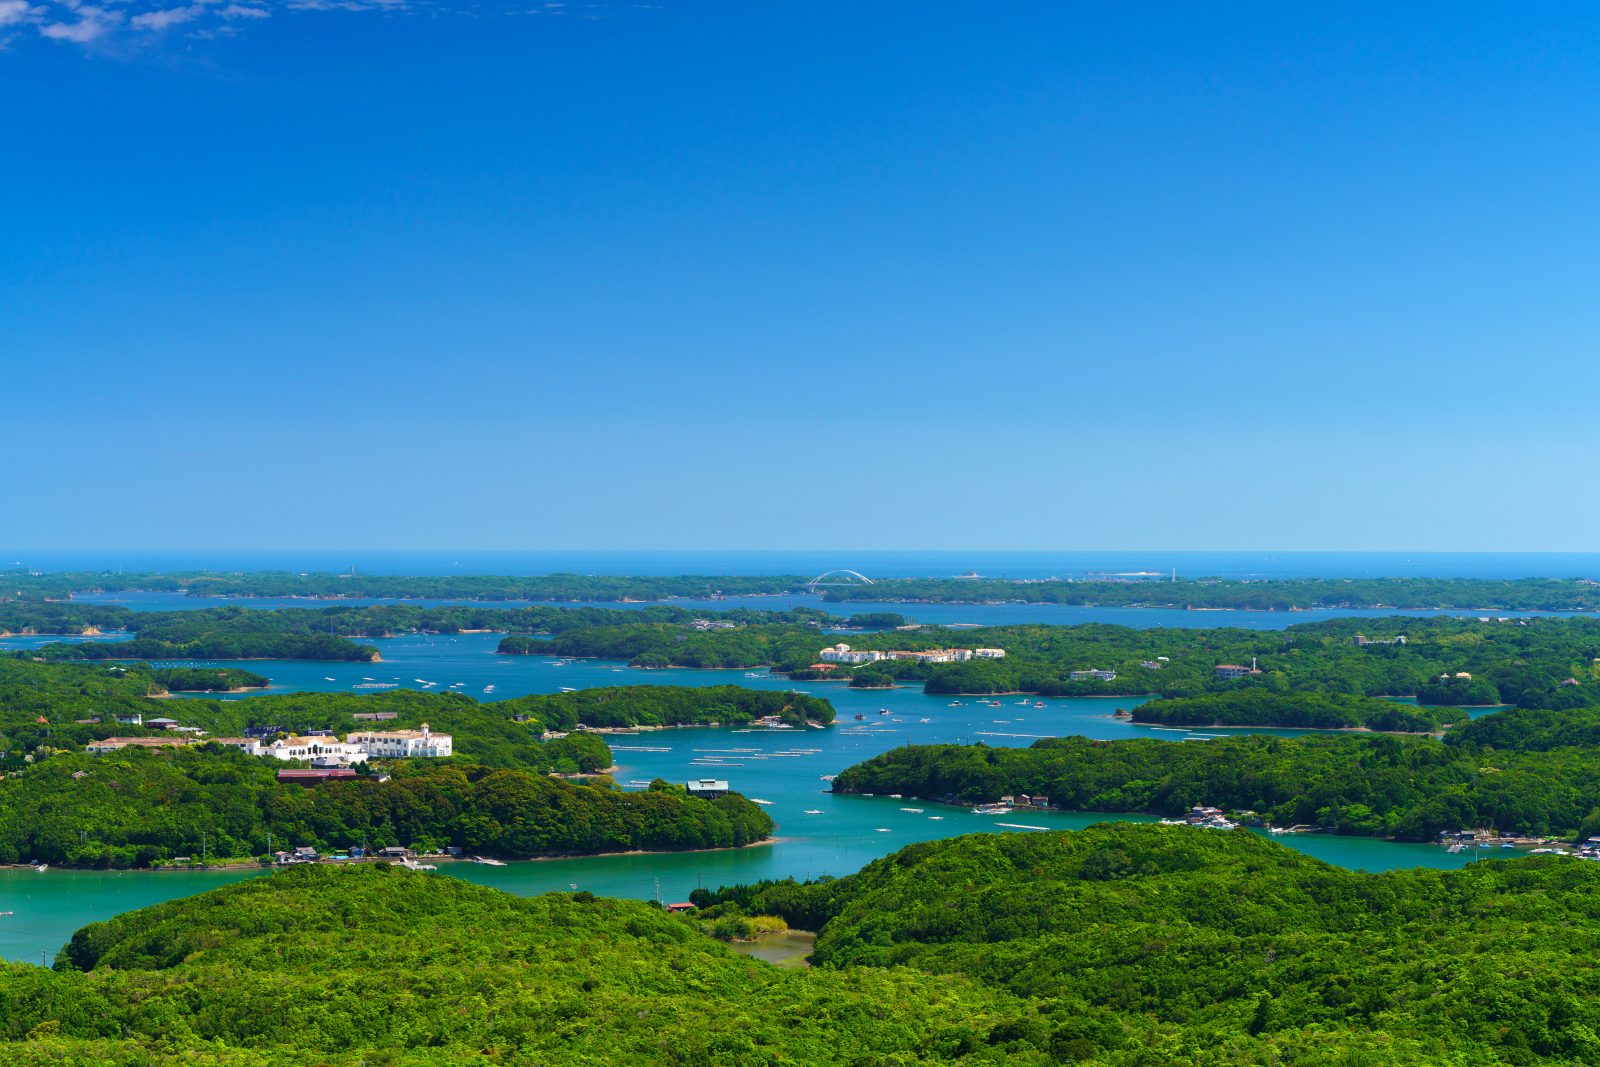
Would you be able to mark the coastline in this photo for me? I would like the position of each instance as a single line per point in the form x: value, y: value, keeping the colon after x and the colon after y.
x: 257, y: 866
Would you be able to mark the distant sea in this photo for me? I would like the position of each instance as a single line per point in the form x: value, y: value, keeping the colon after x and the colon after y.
x: 874, y: 564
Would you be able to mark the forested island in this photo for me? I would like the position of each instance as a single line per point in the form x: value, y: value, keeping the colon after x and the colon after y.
x: 135, y: 808
x: 1539, y: 662
x: 54, y: 707
x: 1411, y: 789
x: 1257, y: 706
x: 1118, y: 946
x: 1202, y: 593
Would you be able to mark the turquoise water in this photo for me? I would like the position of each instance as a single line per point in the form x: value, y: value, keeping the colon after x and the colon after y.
x: 818, y: 832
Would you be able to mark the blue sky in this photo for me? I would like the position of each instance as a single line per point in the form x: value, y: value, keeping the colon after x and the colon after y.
x: 713, y: 275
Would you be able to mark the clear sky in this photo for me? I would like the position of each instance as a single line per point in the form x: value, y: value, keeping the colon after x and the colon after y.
x: 878, y: 275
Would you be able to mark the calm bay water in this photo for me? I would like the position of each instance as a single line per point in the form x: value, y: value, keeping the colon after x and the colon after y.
x: 819, y: 833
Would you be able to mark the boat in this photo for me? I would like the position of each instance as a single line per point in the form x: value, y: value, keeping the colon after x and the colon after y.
x: 1038, y: 703
x: 488, y: 862
x: 1508, y: 846
x: 325, y: 678
x: 813, y: 811
x: 924, y: 720
x: 883, y: 711
x: 488, y: 689
x: 568, y: 689
x: 859, y: 716
x: 896, y: 796
x: 992, y: 809
x: 41, y: 868
x: 883, y: 829
x: 412, y: 865
x: 914, y: 811
x: 1277, y: 830
x: 5, y: 913
x: 953, y: 704
x: 758, y: 800
x: 936, y: 818
x: 828, y: 777
x: 1457, y: 847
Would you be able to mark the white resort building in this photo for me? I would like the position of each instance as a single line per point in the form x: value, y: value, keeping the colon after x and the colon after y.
x: 404, y: 744
x: 842, y: 653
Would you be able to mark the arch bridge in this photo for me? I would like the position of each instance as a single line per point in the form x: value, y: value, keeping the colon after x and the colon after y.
x: 839, y: 576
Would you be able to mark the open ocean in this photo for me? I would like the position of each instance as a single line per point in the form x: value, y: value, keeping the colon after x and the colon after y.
x: 874, y: 563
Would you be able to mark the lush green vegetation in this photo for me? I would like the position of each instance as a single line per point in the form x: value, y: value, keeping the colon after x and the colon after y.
x: 208, y: 679
x: 1256, y: 706
x: 377, y: 965
x: 1121, y: 946
x: 1147, y: 945
x: 1410, y: 788
x: 41, y: 703
x: 669, y: 705
x: 549, y: 587
x: 135, y: 807
x: 217, y: 633
x: 1540, y: 662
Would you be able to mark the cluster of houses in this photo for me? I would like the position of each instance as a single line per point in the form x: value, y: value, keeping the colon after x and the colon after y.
x: 321, y: 748
x: 1093, y: 675
x: 1362, y: 640
x: 842, y: 653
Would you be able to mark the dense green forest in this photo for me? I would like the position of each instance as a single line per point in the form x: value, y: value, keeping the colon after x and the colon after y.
x: 135, y: 807
x: 1120, y: 946
x: 1167, y: 945
x: 1257, y: 706
x: 1409, y: 788
x: 377, y: 965
x: 18, y: 584
x: 1541, y: 662
x: 323, y: 633
x: 208, y: 679
x: 1466, y: 594
x: 41, y: 703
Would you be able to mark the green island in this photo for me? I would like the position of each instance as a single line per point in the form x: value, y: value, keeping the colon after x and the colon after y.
x: 136, y: 808
x: 323, y: 633
x: 1118, y: 946
x: 1297, y: 709
x: 1202, y: 593
x: 1538, y: 662
x: 1408, y: 788
x: 208, y: 679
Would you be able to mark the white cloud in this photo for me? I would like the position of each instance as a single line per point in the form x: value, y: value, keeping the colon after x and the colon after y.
x: 15, y: 11
x: 160, y: 19
x: 93, y: 23
x: 115, y: 26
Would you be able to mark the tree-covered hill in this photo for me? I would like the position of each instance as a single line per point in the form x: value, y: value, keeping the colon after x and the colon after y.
x: 1148, y: 944
x: 377, y: 965
x: 1411, y: 788
x: 1118, y: 946
x: 137, y: 807
x: 1258, y: 706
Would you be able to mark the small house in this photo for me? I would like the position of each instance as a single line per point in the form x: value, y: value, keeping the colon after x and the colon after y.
x: 707, y: 788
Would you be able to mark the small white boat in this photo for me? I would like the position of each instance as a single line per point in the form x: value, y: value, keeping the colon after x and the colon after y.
x: 41, y: 868
x: 992, y: 809
x: 813, y: 811
x: 325, y: 678
x: 758, y: 800
x: 828, y: 777
x: 936, y: 818
x: 883, y: 829
x: 924, y: 720
x: 568, y: 689
x: 914, y: 811
x: 488, y: 862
